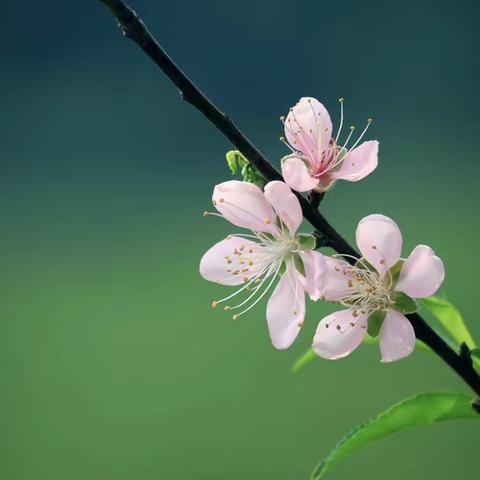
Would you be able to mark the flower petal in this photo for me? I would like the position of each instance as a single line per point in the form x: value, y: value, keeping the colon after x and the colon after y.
x: 308, y: 128
x: 358, y: 163
x: 336, y: 282
x: 285, y: 203
x: 421, y: 274
x: 286, y: 309
x: 220, y: 264
x: 380, y: 241
x: 315, y: 270
x: 244, y: 205
x: 296, y: 174
x: 339, y: 334
x: 397, y: 337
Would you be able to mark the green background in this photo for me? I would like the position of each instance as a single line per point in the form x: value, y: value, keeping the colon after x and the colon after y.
x: 112, y: 364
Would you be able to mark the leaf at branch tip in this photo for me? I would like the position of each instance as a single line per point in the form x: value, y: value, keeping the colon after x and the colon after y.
x: 450, y: 318
x: 235, y: 161
x: 422, y: 409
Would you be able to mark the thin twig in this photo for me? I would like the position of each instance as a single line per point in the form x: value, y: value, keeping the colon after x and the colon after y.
x: 134, y: 28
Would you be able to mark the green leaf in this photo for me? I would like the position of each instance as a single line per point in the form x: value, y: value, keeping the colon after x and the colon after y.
x: 232, y: 160
x: 306, y: 241
x: 395, y: 271
x: 423, y: 409
x: 403, y: 303
x: 299, y: 264
x: 375, y: 321
x: 249, y: 173
x: 450, y: 318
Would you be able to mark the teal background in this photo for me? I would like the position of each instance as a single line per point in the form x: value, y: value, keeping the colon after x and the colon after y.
x: 112, y: 364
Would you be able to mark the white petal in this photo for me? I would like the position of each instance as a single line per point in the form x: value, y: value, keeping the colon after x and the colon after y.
x: 397, y: 337
x: 380, y: 241
x: 421, y: 274
x: 285, y: 203
x: 315, y: 271
x: 220, y: 264
x: 296, y: 174
x: 286, y: 309
x: 244, y: 205
x: 339, y: 334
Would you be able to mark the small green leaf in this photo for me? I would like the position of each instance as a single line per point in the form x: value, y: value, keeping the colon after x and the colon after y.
x: 232, y: 160
x: 306, y: 241
x: 249, y: 173
x: 375, y: 321
x: 299, y: 264
x: 395, y: 271
x: 423, y: 409
x: 450, y: 318
x: 403, y: 303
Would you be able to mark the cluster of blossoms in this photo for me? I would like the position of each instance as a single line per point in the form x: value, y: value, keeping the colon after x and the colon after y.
x: 377, y: 290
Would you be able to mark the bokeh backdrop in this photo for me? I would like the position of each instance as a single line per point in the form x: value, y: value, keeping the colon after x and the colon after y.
x: 112, y: 363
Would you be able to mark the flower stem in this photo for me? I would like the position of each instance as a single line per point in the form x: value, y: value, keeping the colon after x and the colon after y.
x: 134, y: 28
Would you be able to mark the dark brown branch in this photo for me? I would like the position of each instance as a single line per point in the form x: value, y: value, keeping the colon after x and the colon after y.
x: 326, y: 235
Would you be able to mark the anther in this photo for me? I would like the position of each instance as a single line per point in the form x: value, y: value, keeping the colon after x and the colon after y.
x: 222, y: 200
x: 352, y: 127
x: 214, y: 304
x: 205, y: 213
x: 369, y: 120
x: 227, y: 308
x: 300, y: 324
x: 235, y: 317
x: 341, y: 99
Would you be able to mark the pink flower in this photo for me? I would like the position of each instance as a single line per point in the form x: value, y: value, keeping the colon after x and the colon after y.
x: 377, y: 290
x: 272, y: 252
x: 319, y: 160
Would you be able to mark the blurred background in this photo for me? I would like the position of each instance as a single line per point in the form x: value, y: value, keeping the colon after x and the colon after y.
x: 112, y: 363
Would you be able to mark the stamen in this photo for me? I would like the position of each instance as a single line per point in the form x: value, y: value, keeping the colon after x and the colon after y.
x: 341, y: 120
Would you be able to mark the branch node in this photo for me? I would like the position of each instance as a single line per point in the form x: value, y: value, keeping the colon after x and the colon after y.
x: 475, y: 404
x: 322, y: 240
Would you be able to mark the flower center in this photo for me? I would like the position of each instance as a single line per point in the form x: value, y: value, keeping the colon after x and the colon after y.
x: 367, y: 291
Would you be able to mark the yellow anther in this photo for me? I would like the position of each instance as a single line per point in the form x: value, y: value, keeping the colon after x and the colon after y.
x: 245, y: 279
x: 235, y: 317
x: 222, y: 200
x: 268, y: 222
x: 205, y: 213
x: 300, y: 324
x: 227, y: 308
x: 369, y: 120
x: 341, y: 99
x: 214, y: 304
x: 353, y: 127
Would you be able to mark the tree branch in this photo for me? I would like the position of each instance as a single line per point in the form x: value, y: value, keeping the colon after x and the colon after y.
x: 134, y: 28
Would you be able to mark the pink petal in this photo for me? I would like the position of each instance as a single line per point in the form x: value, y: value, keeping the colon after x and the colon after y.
x: 339, y: 334
x: 336, y: 284
x: 315, y: 270
x: 359, y: 162
x: 380, y: 241
x: 296, y: 174
x: 286, y: 309
x: 397, y: 337
x: 308, y: 128
x: 222, y: 265
x: 244, y: 205
x: 421, y: 274
x: 285, y: 203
